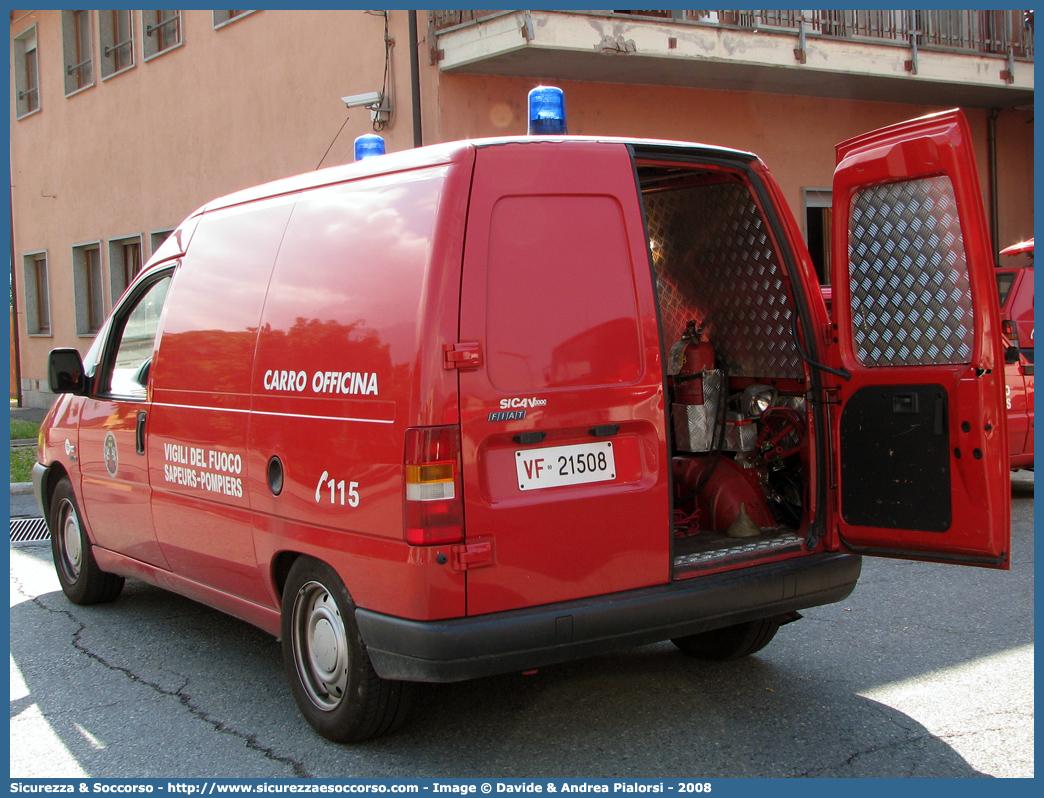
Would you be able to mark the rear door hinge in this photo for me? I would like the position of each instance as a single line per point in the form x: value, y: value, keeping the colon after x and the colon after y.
x: 462, y: 355
x: 471, y: 555
x: 830, y: 334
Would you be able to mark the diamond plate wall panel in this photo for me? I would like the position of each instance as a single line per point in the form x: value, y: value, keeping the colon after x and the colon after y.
x: 714, y: 260
x: 911, y: 297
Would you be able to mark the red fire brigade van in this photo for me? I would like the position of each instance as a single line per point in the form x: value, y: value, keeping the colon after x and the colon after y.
x: 492, y: 405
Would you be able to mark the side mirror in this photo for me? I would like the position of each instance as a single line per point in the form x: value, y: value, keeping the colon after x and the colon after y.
x: 65, y: 372
x: 1011, y: 354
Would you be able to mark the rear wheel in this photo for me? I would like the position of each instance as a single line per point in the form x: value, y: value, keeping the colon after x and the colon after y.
x: 333, y: 682
x: 732, y: 642
x: 83, y: 582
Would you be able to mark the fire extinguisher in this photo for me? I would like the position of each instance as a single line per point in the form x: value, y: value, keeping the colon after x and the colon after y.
x: 690, y: 357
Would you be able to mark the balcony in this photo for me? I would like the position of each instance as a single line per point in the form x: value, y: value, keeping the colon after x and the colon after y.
x: 968, y: 58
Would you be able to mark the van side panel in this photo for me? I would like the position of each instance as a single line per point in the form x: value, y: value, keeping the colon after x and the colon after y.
x: 557, y: 288
x: 349, y: 356
x: 197, y: 431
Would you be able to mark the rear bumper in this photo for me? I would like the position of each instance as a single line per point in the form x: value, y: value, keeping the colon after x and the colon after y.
x: 466, y: 648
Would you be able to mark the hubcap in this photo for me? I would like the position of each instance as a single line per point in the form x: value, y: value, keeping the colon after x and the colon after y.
x: 320, y: 646
x: 72, y: 546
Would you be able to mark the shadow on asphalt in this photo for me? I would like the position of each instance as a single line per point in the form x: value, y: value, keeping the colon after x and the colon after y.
x: 646, y: 711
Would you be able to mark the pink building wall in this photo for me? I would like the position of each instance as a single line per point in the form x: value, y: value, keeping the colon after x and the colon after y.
x: 794, y: 135
x: 139, y: 151
x: 247, y: 103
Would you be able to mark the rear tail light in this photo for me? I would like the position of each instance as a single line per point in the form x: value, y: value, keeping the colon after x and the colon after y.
x: 434, y: 504
x: 1011, y: 331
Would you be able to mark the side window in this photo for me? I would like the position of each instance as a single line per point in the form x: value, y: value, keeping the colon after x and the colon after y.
x: 157, y: 237
x: 79, y: 50
x: 26, y: 73
x: 222, y: 18
x: 124, y: 264
x: 117, y: 41
x: 89, y: 294
x: 133, y: 341
x: 37, y: 294
x: 162, y: 31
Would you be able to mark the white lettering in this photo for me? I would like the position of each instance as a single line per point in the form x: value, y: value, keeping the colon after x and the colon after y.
x: 281, y: 380
x: 353, y: 383
x: 518, y: 401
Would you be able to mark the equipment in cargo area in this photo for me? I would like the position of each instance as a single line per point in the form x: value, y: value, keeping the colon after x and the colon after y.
x: 737, y: 438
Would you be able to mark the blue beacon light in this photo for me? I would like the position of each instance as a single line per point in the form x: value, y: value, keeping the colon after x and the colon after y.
x: 368, y: 146
x: 547, y: 115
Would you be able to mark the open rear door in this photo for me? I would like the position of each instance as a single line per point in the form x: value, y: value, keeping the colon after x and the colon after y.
x: 920, y: 434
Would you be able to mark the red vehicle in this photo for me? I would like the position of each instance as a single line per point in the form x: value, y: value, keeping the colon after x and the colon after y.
x: 1018, y: 398
x: 493, y: 405
x: 1015, y: 290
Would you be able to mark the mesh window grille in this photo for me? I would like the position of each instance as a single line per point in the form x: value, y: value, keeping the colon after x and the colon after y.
x: 911, y: 296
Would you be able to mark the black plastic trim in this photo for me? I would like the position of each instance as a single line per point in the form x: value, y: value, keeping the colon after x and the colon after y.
x: 524, y: 438
x: 927, y: 556
x: 466, y: 648
x: 40, y: 474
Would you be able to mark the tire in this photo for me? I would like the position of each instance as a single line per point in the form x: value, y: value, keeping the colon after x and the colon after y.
x: 83, y: 582
x: 731, y: 642
x: 330, y: 673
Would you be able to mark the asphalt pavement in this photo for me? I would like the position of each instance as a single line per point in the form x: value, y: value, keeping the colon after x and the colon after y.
x: 926, y: 670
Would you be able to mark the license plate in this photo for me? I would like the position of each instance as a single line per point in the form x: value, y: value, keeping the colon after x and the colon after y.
x: 555, y: 466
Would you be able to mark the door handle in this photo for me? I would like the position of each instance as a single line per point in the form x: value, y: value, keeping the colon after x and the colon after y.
x: 139, y: 433
x: 905, y: 403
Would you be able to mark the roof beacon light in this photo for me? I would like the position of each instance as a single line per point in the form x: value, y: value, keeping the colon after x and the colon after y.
x: 547, y: 114
x: 368, y: 146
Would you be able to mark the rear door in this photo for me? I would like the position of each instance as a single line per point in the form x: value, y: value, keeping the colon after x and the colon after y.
x: 563, y: 428
x: 920, y: 435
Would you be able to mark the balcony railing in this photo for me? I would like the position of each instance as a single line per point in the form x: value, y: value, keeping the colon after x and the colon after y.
x: 1008, y: 33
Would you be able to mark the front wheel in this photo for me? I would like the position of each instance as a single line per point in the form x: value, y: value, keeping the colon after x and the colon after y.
x: 83, y: 582
x: 333, y: 682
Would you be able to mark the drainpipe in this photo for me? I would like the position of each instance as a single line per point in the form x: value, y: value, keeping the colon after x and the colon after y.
x: 991, y: 146
x: 418, y: 139
x: 14, y: 312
